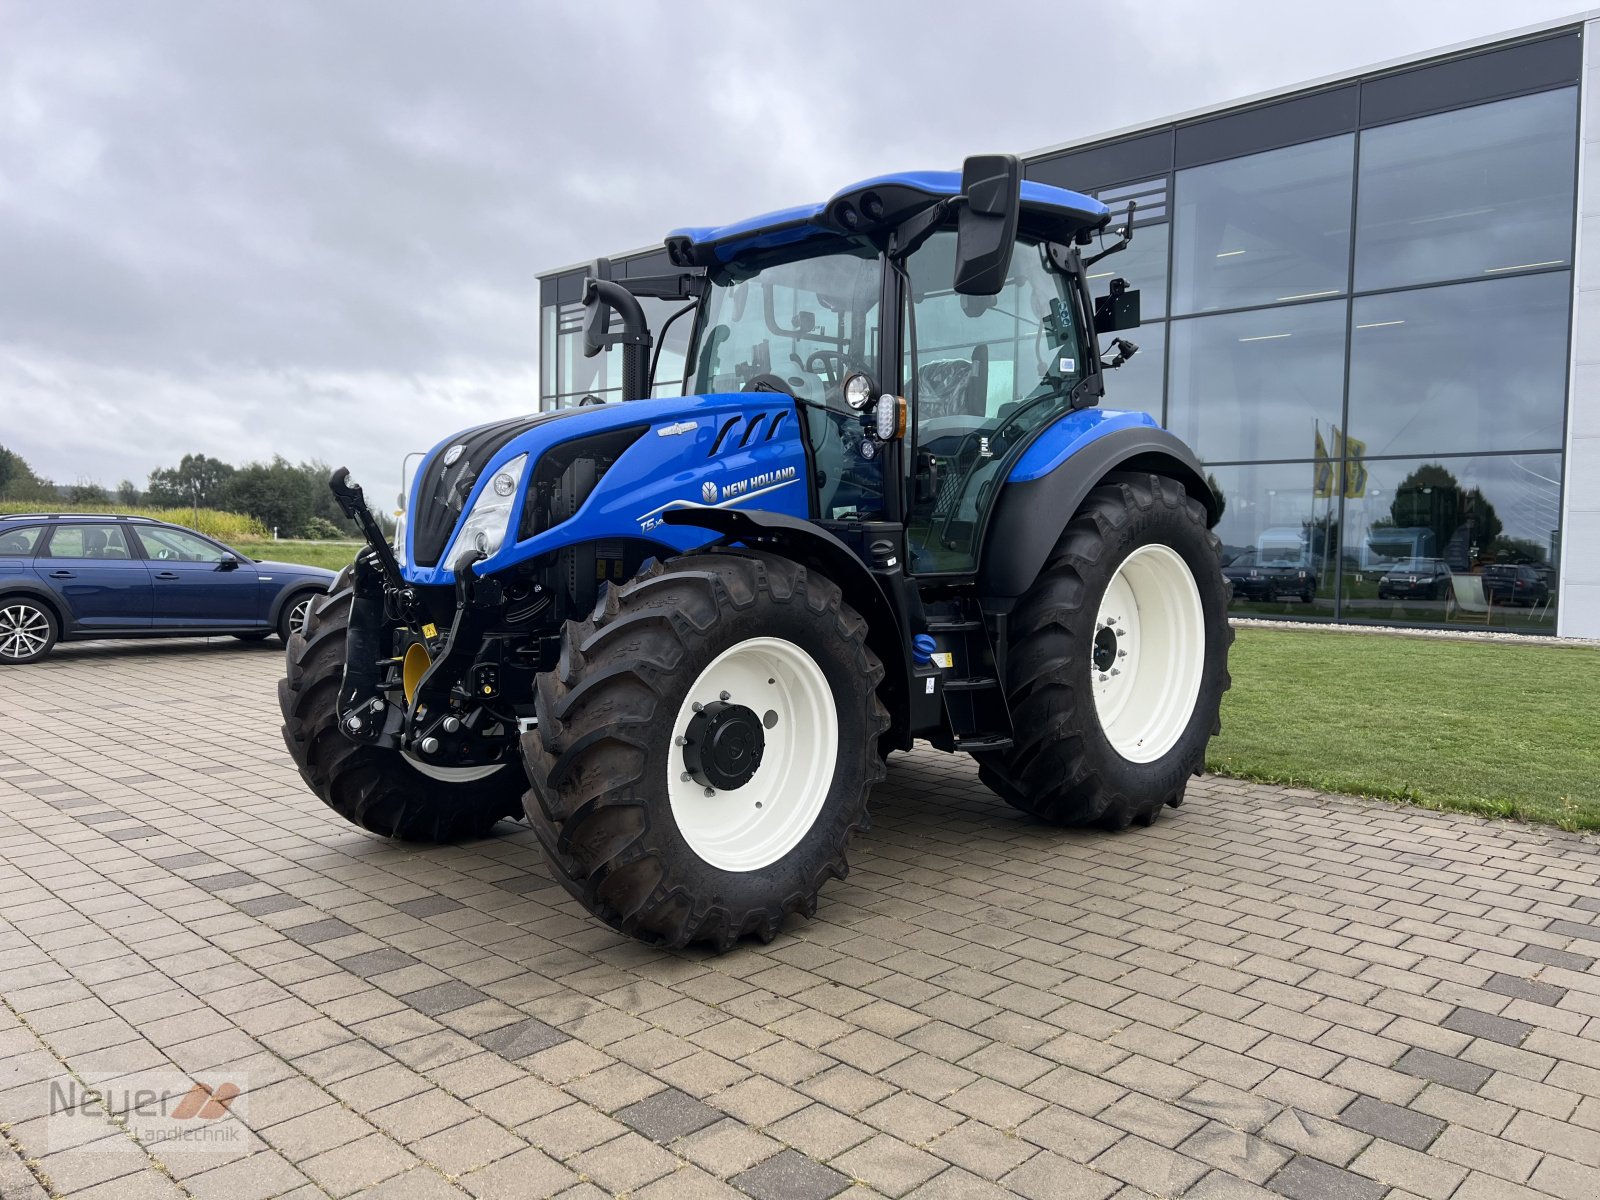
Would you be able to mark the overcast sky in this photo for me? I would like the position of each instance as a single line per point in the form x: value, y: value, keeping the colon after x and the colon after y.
x: 315, y: 228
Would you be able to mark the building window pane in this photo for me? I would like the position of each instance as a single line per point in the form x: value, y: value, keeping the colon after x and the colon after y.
x: 1280, y: 539
x: 1263, y: 229
x: 547, y: 352
x: 1136, y: 384
x: 1468, y: 367
x: 1479, y: 191
x: 1143, y: 264
x: 1257, y: 385
x: 1469, y: 541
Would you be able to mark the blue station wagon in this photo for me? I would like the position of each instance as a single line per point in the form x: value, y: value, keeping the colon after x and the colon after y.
x: 73, y: 578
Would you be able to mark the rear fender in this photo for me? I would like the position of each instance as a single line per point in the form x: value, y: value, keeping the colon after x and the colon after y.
x: 1031, y: 512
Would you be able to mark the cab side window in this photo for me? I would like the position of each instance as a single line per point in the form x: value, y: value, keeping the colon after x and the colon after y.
x: 982, y: 372
x: 87, y: 541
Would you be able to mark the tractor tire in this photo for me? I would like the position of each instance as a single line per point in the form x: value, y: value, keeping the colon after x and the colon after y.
x: 380, y: 790
x: 735, y: 668
x: 1118, y: 661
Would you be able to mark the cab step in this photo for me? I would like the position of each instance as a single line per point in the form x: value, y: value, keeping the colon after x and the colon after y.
x: 983, y: 741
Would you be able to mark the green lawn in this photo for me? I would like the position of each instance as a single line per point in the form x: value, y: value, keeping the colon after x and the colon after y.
x: 1504, y: 730
x: 332, y: 555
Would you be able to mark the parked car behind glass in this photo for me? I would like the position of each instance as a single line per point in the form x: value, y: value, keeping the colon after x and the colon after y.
x: 72, y: 578
x: 1416, y: 579
x: 1507, y: 583
x: 1267, y: 574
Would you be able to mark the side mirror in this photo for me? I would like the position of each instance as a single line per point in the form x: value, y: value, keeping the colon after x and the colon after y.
x: 986, y: 227
x: 596, y: 312
x: 228, y: 562
x: 1117, y: 310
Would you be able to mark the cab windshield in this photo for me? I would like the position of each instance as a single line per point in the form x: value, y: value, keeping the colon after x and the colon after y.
x: 802, y: 326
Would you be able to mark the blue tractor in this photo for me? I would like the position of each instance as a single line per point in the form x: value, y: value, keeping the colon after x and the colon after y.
x: 683, y: 634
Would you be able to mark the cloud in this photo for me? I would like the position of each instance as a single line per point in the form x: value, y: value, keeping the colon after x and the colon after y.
x: 316, y: 229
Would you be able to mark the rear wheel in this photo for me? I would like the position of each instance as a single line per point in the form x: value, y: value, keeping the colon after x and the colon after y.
x: 380, y: 790
x: 1118, y: 661
x: 705, y: 748
x: 28, y: 630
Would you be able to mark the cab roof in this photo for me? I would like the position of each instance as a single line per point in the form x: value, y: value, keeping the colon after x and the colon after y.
x: 873, y: 206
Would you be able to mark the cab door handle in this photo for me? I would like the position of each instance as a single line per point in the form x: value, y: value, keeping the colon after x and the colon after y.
x: 166, y: 574
x: 63, y: 575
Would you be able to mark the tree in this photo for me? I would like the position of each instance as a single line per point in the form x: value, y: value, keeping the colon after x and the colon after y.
x: 323, y: 504
x: 18, y: 481
x: 87, y: 491
x: 128, y: 493
x: 274, y: 493
x: 196, y: 480
x: 1463, y: 523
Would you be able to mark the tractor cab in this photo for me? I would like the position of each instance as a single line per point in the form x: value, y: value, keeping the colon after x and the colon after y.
x: 926, y: 325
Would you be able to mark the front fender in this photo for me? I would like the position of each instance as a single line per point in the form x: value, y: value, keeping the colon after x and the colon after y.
x: 1037, y: 502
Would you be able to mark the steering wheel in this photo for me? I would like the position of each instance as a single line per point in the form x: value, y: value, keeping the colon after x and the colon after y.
x: 767, y: 382
x: 163, y: 554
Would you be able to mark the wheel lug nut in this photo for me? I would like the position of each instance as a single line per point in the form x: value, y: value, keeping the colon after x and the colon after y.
x: 685, y: 777
x: 680, y: 741
x: 1114, y: 671
x: 1103, y: 678
x: 711, y: 791
x: 722, y: 695
x: 1122, y: 654
x: 697, y: 706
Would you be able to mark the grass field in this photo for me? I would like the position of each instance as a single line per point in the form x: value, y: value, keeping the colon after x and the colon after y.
x: 1504, y: 730
x: 332, y: 555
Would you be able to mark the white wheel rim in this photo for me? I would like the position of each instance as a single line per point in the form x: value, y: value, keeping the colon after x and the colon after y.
x: 452, y: 774
x: 298, y: 615
x: 754, y: 825
x: 24, y: 630
x: 1148, y: 653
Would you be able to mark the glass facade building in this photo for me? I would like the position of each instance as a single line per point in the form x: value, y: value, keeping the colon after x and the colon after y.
x: 1364, y: 309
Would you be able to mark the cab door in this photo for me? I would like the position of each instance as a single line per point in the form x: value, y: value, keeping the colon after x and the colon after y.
x: 97, y: 575
x: 982, y: 373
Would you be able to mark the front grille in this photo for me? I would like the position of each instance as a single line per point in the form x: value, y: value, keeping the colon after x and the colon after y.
x: 443, y: 490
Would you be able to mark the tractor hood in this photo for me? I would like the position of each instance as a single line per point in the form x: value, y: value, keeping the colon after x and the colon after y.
x: 503, y: 493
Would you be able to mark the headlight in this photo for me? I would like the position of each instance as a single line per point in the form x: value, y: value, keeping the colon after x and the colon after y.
x: 484, y: 531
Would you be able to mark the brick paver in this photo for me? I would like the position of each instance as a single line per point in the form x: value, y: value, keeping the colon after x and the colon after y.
x: 1271, y: 992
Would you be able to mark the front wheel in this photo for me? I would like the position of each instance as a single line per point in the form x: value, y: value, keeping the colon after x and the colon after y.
x: 383, y: 791
x: 1118, y: 661
x: 705, y: 748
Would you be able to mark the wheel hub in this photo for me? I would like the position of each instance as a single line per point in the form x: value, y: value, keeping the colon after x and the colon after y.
x: 723, y: 745
x: 1105, y: 649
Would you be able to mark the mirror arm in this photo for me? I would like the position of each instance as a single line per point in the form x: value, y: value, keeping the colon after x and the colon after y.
x: 905, y: 237
x: 1125, y: 233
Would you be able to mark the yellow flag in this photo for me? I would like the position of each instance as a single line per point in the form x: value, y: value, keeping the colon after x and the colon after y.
x: 1322, y: 472
x: 1355, y: 469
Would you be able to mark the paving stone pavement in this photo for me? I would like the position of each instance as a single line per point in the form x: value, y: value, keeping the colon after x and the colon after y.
x: 1271, y: 992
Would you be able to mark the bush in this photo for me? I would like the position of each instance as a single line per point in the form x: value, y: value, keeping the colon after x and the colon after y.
x: 224, y: 526
x: 320, y: 529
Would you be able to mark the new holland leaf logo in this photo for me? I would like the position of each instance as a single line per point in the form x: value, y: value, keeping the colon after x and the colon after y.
x: 206, y: 1102
x: 708, y: 491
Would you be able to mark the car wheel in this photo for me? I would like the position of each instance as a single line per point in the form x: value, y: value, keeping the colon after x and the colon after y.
x: 28, y: 630
x: 292, y: 619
